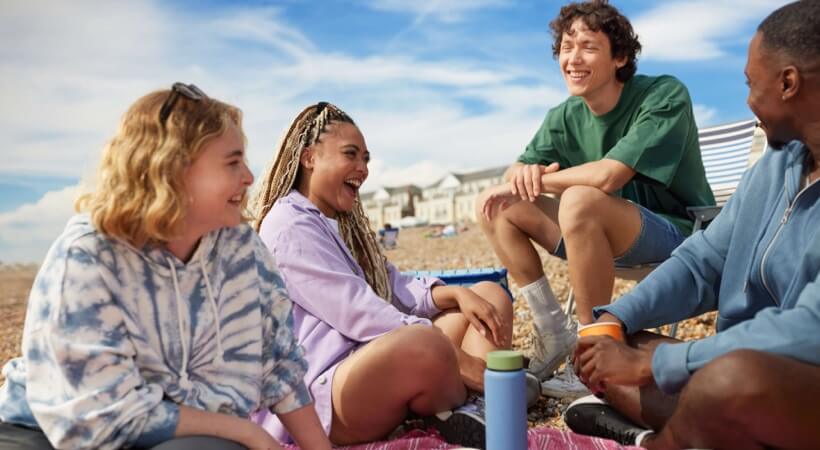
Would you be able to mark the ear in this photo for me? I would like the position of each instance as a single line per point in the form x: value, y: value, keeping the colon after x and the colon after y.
x: 620, y: 61
x: 789, y: 82
x: 307, y: 159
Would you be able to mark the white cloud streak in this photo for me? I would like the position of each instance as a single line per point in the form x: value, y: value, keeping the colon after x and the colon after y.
x: 696, y: 30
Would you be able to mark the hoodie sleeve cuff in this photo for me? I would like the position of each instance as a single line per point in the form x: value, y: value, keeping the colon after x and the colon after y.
x: 669, y: 367
x: 299, y: 398
x: 162, y: 427
x: 619, y: 311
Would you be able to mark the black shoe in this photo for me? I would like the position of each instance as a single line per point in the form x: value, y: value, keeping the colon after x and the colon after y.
x: 464, y: 426
x: 593, y: 417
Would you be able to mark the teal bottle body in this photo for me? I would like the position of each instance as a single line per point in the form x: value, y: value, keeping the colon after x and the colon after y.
x: 506, y: 409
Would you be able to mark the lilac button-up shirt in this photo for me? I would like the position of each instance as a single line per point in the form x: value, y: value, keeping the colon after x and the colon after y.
x: 335, y: 310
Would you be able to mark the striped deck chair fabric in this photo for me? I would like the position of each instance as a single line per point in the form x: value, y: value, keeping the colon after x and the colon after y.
x: 725, y: 150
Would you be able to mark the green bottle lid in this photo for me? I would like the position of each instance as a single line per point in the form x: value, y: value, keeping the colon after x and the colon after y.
x: 505, y: 360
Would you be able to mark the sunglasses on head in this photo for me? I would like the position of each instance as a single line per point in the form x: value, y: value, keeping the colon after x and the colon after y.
x: 189, y: 91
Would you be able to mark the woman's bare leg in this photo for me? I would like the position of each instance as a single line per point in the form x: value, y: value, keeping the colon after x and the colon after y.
x: 472, y: 347
x: 413, y: 368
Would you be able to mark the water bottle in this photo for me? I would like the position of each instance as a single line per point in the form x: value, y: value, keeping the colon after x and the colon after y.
x: 505, y: 401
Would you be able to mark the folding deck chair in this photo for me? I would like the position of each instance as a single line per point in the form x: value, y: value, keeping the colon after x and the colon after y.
x: 467, y: 277
x: 725, y: 151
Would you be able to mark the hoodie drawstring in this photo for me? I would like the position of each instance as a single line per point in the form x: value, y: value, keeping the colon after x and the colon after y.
x: 184, y: 382
x: 220, y: 352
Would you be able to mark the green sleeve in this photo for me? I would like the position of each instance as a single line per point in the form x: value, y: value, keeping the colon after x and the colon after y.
x: 543, y: 148
x: 659, y: 137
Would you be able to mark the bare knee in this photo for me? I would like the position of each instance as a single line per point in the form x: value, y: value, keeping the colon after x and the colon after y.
x: 497, y: 296
x: 729, y: 385
x: 424, y: 350
x: 579, y: 207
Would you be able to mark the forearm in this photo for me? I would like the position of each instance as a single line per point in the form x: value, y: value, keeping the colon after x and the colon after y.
x: 445, y: 297
x: 304, y: 426
x: 196, y: 422
x: 606, y: 175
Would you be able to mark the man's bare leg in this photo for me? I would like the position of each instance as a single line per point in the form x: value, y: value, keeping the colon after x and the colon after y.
x: 596, y: 227
x: 746, y: 400
x: 512, y: 231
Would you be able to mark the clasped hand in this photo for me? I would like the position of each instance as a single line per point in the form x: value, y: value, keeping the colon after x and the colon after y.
x: 524, y: 184
x: 482, y: 315
x: 600, y: 361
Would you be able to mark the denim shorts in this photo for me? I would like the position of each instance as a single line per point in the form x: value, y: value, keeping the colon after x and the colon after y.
x: 655, y: 242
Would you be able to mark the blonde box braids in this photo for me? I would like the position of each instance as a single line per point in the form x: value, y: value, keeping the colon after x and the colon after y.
x: 281, y: 176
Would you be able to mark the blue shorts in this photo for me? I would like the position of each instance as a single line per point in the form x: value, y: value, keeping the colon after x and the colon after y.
x: 657, y: 239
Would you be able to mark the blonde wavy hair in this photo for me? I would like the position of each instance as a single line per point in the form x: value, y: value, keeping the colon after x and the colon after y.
x: 283, y: 174
x: 140, y: 196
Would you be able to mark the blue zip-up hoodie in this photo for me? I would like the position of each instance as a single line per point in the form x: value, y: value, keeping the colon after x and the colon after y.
x: 757, y: 264
x: 116, y: 338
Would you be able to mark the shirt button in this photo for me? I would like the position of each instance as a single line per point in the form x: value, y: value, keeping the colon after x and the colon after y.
x: 322, y: 379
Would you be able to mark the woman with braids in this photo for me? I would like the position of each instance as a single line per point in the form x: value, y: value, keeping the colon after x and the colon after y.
x: 157, y: 319
x: 406, y: 345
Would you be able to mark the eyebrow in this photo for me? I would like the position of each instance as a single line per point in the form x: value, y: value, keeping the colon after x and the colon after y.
x: 238, y: 152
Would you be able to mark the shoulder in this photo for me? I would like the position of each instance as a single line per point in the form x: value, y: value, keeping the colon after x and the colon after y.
x: 287, y: 221
x: 660, y: 87
x: 81, y: 241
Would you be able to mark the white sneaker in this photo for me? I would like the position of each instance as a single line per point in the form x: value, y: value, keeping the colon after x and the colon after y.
x: 565, y: 384
x: 550, y: 350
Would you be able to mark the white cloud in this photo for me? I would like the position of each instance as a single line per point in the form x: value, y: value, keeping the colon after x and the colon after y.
x: 697, y: 30
x: 27, y: 232
x: 704, y: 115
x: 447, y: 11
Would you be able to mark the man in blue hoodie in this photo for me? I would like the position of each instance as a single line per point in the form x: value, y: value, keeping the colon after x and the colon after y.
x: 756, y: 382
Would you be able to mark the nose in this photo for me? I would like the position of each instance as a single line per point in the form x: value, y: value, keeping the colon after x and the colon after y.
x: 247, y: 175
x: 575, y: 55
x: 363, y: 167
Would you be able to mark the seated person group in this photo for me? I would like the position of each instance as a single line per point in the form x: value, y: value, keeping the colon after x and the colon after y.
x: 175, y: 313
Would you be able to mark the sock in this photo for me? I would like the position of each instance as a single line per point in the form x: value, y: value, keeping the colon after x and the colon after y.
x: 546, y: 312
x: 640, y: 437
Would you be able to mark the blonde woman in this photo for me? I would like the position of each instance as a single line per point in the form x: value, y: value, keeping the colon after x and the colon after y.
x: 379, y: 344
x: 157, y: 314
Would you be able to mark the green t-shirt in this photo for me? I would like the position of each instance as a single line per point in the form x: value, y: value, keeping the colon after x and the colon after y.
x: 651, y: 129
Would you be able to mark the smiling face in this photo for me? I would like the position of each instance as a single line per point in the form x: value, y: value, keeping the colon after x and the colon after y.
x: 768, y: 92
x: 216, y: 184
x: 587, y: 64
x: 334, y: 169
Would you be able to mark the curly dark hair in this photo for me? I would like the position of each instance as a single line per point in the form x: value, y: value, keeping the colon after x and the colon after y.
x: 599, y: 15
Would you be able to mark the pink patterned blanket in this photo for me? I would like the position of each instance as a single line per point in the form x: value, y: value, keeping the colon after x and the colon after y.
x: 538, y: 438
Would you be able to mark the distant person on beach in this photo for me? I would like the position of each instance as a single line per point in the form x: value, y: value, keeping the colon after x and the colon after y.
x: 158, y: 319
x: 756, y: 383
x: 379, y: 344
x: 388, y: 236
x: 620, y: 163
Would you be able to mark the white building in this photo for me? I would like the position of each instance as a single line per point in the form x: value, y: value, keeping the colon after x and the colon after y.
x: 449, y: 200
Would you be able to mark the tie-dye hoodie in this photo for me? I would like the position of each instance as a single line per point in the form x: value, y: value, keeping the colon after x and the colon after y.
x: 115, y: 339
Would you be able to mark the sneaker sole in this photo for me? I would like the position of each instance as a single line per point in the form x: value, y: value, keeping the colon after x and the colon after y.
x: 460, y: 429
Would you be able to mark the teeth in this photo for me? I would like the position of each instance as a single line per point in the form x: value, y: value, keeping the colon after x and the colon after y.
x: 354, y: 182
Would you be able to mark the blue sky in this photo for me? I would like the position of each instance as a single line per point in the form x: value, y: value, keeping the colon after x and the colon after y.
x: 436, y: 86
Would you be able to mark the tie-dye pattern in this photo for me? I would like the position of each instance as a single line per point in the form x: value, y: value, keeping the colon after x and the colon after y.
x: 102, y: 351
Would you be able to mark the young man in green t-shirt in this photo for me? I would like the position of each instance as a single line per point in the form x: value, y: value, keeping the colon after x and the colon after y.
x: 622, y: 161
